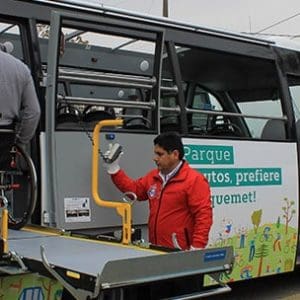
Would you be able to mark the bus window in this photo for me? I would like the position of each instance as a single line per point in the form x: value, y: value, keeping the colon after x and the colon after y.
x: 169, y: 117
x: 294, y: 85
x: 295, y: 93
x: 170, y: 106
x: 134, y: 117
x: 10, y: 36
x: 201, y: 122
x: 99, y: 72
x: 235, y: 96
x: 269, y: 108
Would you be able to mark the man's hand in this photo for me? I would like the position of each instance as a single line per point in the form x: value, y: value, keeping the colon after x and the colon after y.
x: 113, y: 168
x: 112, y: 159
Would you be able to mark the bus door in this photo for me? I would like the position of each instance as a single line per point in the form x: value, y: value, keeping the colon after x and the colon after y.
x: 98, y: 67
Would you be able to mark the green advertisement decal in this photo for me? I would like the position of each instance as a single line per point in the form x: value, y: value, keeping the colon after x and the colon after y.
x: 224, y: 177
x: 209, y: 154
x: 261, y: 249
x: 255, y: 201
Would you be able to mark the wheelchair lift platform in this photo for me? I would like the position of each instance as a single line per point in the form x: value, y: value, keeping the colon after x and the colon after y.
x: 74, y: 262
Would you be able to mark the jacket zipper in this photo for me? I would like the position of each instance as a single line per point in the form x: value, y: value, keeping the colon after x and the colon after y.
x: 156, y: 217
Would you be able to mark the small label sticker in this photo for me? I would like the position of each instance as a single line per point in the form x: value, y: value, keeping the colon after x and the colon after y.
x: 77, y: 209
x: 215, y: 255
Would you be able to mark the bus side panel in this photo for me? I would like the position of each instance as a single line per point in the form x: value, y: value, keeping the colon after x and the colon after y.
x: 255, y: 202
x: 74, y: 206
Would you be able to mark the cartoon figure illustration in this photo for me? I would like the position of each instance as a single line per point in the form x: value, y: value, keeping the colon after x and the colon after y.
x: 238, y: 259
x: 288, y: 212
x: 18, y: 284
x: 242, y: 233
x: 278, y: 223
x: 266, y: 233
x: 277, y: 242
x: 228, y: 226
x: 246, y: 272
x: 225, y: 277
x: 251, y: 250
x: 225, y: 232
x: 32, y: 293
x: 268, y: 267
x: 219, y: 241
x: 278, y: 269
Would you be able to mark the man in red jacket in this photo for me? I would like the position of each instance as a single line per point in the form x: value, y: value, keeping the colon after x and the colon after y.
x: 179, y: 196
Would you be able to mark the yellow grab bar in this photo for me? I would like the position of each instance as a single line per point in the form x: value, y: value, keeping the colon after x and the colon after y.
x: 4, y: 229
x: 123, y: 209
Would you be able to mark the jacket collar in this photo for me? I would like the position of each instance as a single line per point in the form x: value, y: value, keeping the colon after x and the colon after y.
x: 166, y: 178
x: 179, y: 175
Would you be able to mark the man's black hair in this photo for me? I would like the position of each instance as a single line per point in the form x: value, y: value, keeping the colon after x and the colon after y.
x: 170, y: 141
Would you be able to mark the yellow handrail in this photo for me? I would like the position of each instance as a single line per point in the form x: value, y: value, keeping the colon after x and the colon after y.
x: 4, y: 229
x: 123, y: 209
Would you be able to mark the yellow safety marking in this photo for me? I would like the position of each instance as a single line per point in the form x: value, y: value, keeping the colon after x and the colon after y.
x: 118, y: 245
x: 44, y: 230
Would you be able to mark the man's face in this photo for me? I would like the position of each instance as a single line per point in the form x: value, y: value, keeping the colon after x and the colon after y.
x: 166, y: 161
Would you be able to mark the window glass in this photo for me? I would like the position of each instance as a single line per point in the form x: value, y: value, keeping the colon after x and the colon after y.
x: 203, y: 100
x: 101, y: 51
x: 295, y: 93
x: 240, y: 93
x: 10, y: 36
x: 268, y: 108
x: 98, y: 74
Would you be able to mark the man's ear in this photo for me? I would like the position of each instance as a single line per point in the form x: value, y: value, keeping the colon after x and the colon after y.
x: 176, y: 153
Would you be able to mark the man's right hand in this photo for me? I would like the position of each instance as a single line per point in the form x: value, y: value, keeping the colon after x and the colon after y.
x: 112, y: 159
x: 113, y: 168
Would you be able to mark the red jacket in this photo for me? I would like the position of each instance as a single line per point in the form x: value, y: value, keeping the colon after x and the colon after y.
x: 183, y: 206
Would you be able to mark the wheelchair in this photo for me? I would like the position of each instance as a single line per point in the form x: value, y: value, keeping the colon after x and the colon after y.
x: 18, y: 180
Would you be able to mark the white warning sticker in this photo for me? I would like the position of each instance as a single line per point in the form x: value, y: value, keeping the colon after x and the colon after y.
x: 77, y: 209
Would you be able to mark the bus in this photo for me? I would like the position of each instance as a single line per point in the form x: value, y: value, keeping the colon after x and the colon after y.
x: 234, y: 98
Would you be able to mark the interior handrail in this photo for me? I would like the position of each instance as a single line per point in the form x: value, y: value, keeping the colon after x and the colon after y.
x: 117, y: 81
x: 106, y: 82
x: 136, y: 81
x: 106, y: 102
x: 233, y: 114
x: 107, y: 76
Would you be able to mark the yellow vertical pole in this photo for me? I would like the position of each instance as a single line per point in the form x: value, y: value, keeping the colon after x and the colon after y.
x: 4, y: 229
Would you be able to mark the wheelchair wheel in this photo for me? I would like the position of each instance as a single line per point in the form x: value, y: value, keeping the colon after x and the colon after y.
x: 20, y: 180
